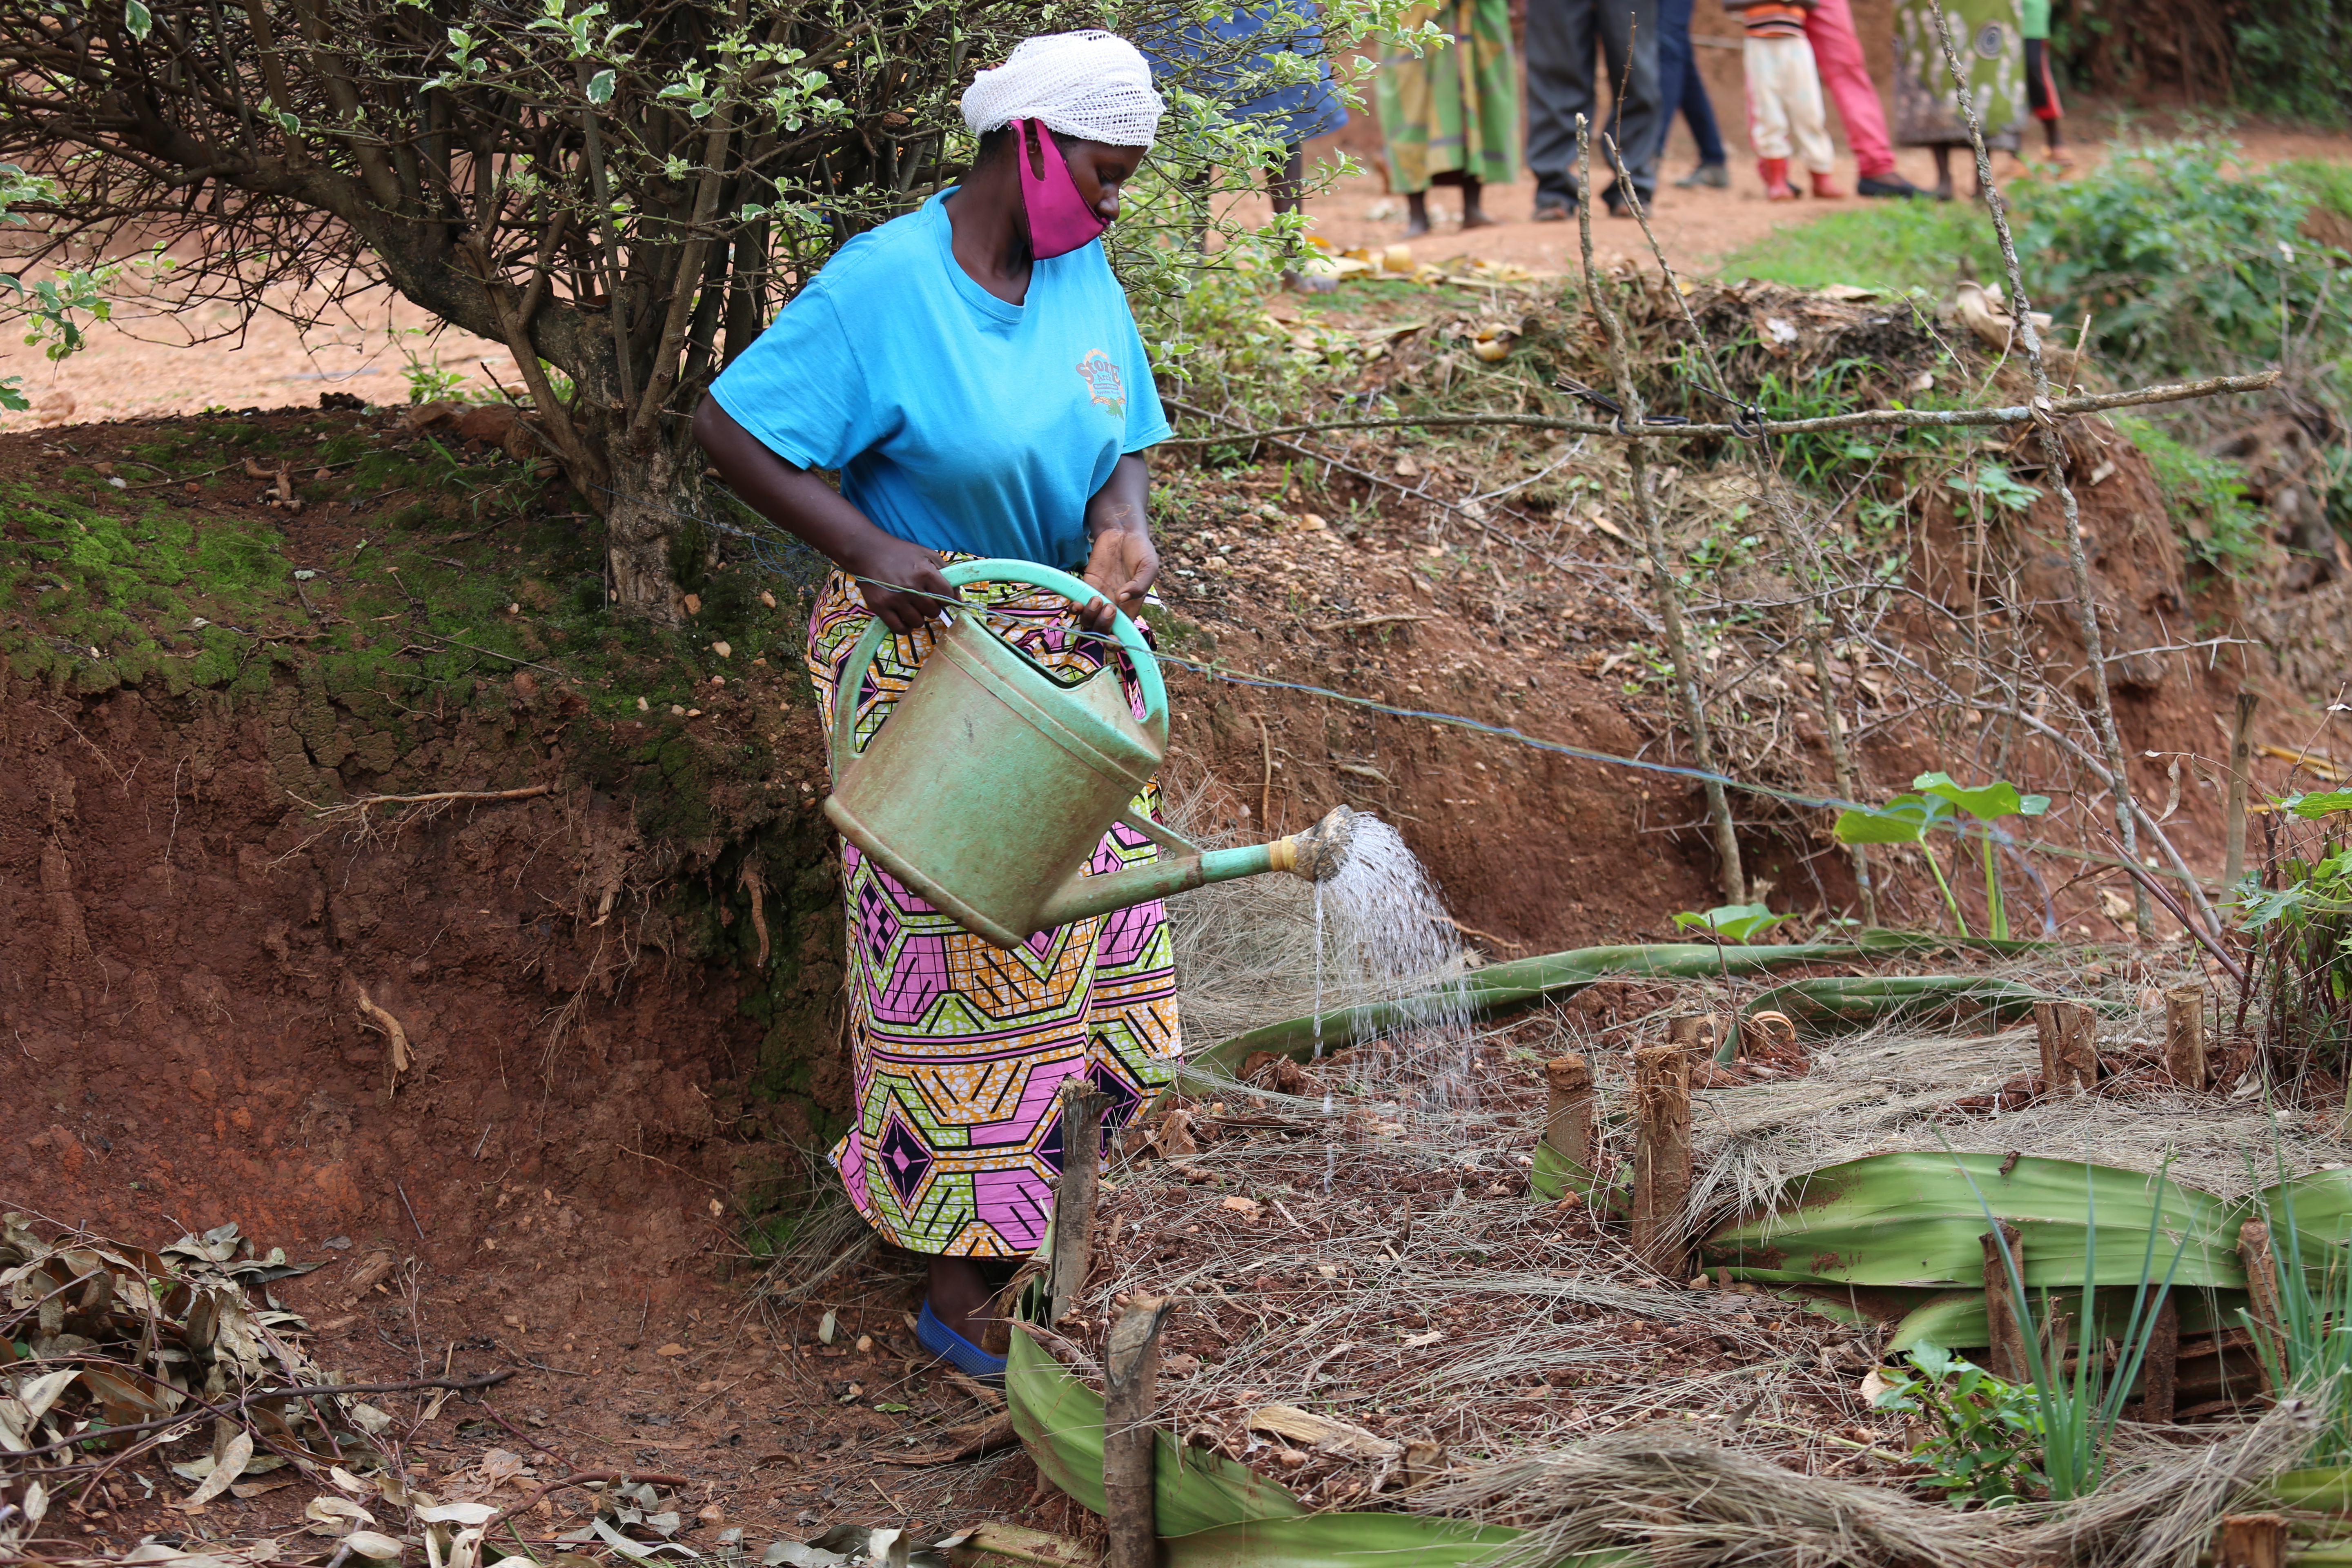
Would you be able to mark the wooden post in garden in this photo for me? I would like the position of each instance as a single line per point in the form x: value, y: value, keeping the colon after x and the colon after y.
x: 2184, y: 1036
x: 1074, y: 1196
x: 1567, y: 1119
x: 1699, y: 1034
x: 2068, y: 1035
x: 2006, y: 1325
x: 2160, y: 1367
x: 2241, y: 767
x: 1130, y: 1481
x: 2251, y: 1540
x: 2261, y: 1290
x: 1662, y: 1155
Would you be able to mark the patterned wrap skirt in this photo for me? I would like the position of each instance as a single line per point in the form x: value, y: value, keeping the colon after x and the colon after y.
x: 959, y: 1048
x: 1453, y: 112
x: 1988, y: 37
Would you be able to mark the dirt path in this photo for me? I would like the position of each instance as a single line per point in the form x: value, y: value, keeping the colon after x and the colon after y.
x: 1696, y: 227
x: 143, y: 362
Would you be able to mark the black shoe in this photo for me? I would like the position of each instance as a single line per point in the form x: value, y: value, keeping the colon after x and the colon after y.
x: 1886, y: 185
x: 1711, y: 177
x: 1554, y: 212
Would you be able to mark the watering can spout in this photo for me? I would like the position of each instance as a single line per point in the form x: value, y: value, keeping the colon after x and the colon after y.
x: 1316, y: 855
x: 1312, y: 855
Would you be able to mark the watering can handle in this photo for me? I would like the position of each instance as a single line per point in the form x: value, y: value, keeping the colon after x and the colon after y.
x: 1075, y: 590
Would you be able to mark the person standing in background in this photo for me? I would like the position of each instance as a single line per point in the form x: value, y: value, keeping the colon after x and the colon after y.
x: 1563, y: 36
x: 1845, y: 76
x: 2041, y: 82
x: 1988, y: 37
x: 1216, y: 59
x: 1449, y: 117
x: 1681, y: 89
x: 1784, y: 98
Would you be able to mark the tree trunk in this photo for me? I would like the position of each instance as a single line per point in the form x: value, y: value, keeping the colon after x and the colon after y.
x: 655, y: 536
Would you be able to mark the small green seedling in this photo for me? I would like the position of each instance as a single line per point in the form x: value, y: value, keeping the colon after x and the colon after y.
x: 1986, y: 1436
x: 1936, y: 802
x: 1732, y: 922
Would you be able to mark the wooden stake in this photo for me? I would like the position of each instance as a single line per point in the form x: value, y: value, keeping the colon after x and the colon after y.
x: 1074, y: 1197
x: 2009, y: 1361
x: 2184, y: 1036
x: 1701, y: 1034
x: 2068, y: 1035
x: 1661, y: 1156
x: 2261, y: 1289
x: 2241, y: 763
x: 1567, y: 1119
x: 2251, y: 1540
x: 1131, y: 1378
x: 2160, y: 1367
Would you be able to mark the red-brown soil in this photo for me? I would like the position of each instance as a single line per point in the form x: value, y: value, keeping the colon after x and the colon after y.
x: 185, y: 947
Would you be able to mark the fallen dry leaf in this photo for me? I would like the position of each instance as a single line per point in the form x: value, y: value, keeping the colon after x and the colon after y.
x: 673, y: 1348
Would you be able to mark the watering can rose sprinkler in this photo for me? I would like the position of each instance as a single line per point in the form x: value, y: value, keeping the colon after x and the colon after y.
x: 993, y: 782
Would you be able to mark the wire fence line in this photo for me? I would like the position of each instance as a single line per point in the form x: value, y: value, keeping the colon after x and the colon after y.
x: 1754, y: 423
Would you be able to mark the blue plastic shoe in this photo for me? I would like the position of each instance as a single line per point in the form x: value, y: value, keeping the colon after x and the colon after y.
x: 958, y: 1352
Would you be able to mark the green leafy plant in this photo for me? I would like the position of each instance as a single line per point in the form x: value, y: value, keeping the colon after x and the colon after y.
x: 2309, y: 1347
x: 2189, y: 259
x: 1734, y: 923
x: 2076, y: 1415
x: 2302, y: 924
x: 1985, y: 1445
x: 2206, y: 498
x: 1992, y: 484
x: 1936, y: 802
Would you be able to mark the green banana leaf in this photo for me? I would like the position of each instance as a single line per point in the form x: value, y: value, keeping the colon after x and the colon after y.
x: 1835, y: 1002
x: 1214, y: 1513
x: 2329, y: 1490
x: 1956, y: 1319
x: 2320, y: 1204
x: 1554, y: 1175
x: 1560, y: 974
x: 1353, y: 1541
x: 1915, y: 1220
x: 1060, y: 1421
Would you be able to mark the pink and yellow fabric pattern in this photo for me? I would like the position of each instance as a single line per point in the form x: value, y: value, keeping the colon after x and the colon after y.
x: 960, y: 1049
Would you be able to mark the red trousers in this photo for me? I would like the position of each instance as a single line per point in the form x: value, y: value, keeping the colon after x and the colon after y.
x: 1845, y: 76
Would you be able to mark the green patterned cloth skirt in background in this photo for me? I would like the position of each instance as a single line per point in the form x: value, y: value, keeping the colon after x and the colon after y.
x: 1989, y: 37
x: 1454, y: 110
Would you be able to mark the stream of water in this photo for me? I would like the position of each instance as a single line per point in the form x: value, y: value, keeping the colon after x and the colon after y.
x: 1384, y: 932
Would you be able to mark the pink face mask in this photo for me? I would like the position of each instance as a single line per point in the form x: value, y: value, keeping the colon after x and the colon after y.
x: 1059, y: 219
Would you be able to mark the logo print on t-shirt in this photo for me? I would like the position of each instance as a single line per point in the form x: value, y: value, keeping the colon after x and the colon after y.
x: 1103, y: 384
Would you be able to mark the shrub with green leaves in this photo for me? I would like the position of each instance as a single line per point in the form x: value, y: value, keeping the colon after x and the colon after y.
x: 2187, y: 260
x: 1984, y: 1442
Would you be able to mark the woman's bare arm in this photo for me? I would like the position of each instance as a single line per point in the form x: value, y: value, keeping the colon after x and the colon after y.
x: 1123, y: 561
x: 804, y: 506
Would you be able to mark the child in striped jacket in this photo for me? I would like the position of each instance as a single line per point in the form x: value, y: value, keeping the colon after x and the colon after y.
x: 1786, y: 115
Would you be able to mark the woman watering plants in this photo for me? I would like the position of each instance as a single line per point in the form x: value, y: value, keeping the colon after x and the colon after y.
x: 974, y: 374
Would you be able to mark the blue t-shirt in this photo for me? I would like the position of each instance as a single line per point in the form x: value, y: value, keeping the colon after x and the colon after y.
x: 958, y: 422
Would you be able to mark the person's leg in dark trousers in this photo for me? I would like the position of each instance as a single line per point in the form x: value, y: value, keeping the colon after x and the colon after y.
x: 1560, y: 42
x: 1629, y: 44
x: 1681, y: 89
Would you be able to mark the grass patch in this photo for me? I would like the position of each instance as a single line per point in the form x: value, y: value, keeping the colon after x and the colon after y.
x: 1894, y: 245
x: 101, y: 588
x: 2329, y: 183
x: 2206, y: 498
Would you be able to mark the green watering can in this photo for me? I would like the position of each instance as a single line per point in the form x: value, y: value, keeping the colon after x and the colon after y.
x: 993, y: 782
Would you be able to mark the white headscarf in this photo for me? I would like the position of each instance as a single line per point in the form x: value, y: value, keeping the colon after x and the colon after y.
x: 1093, y: 85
